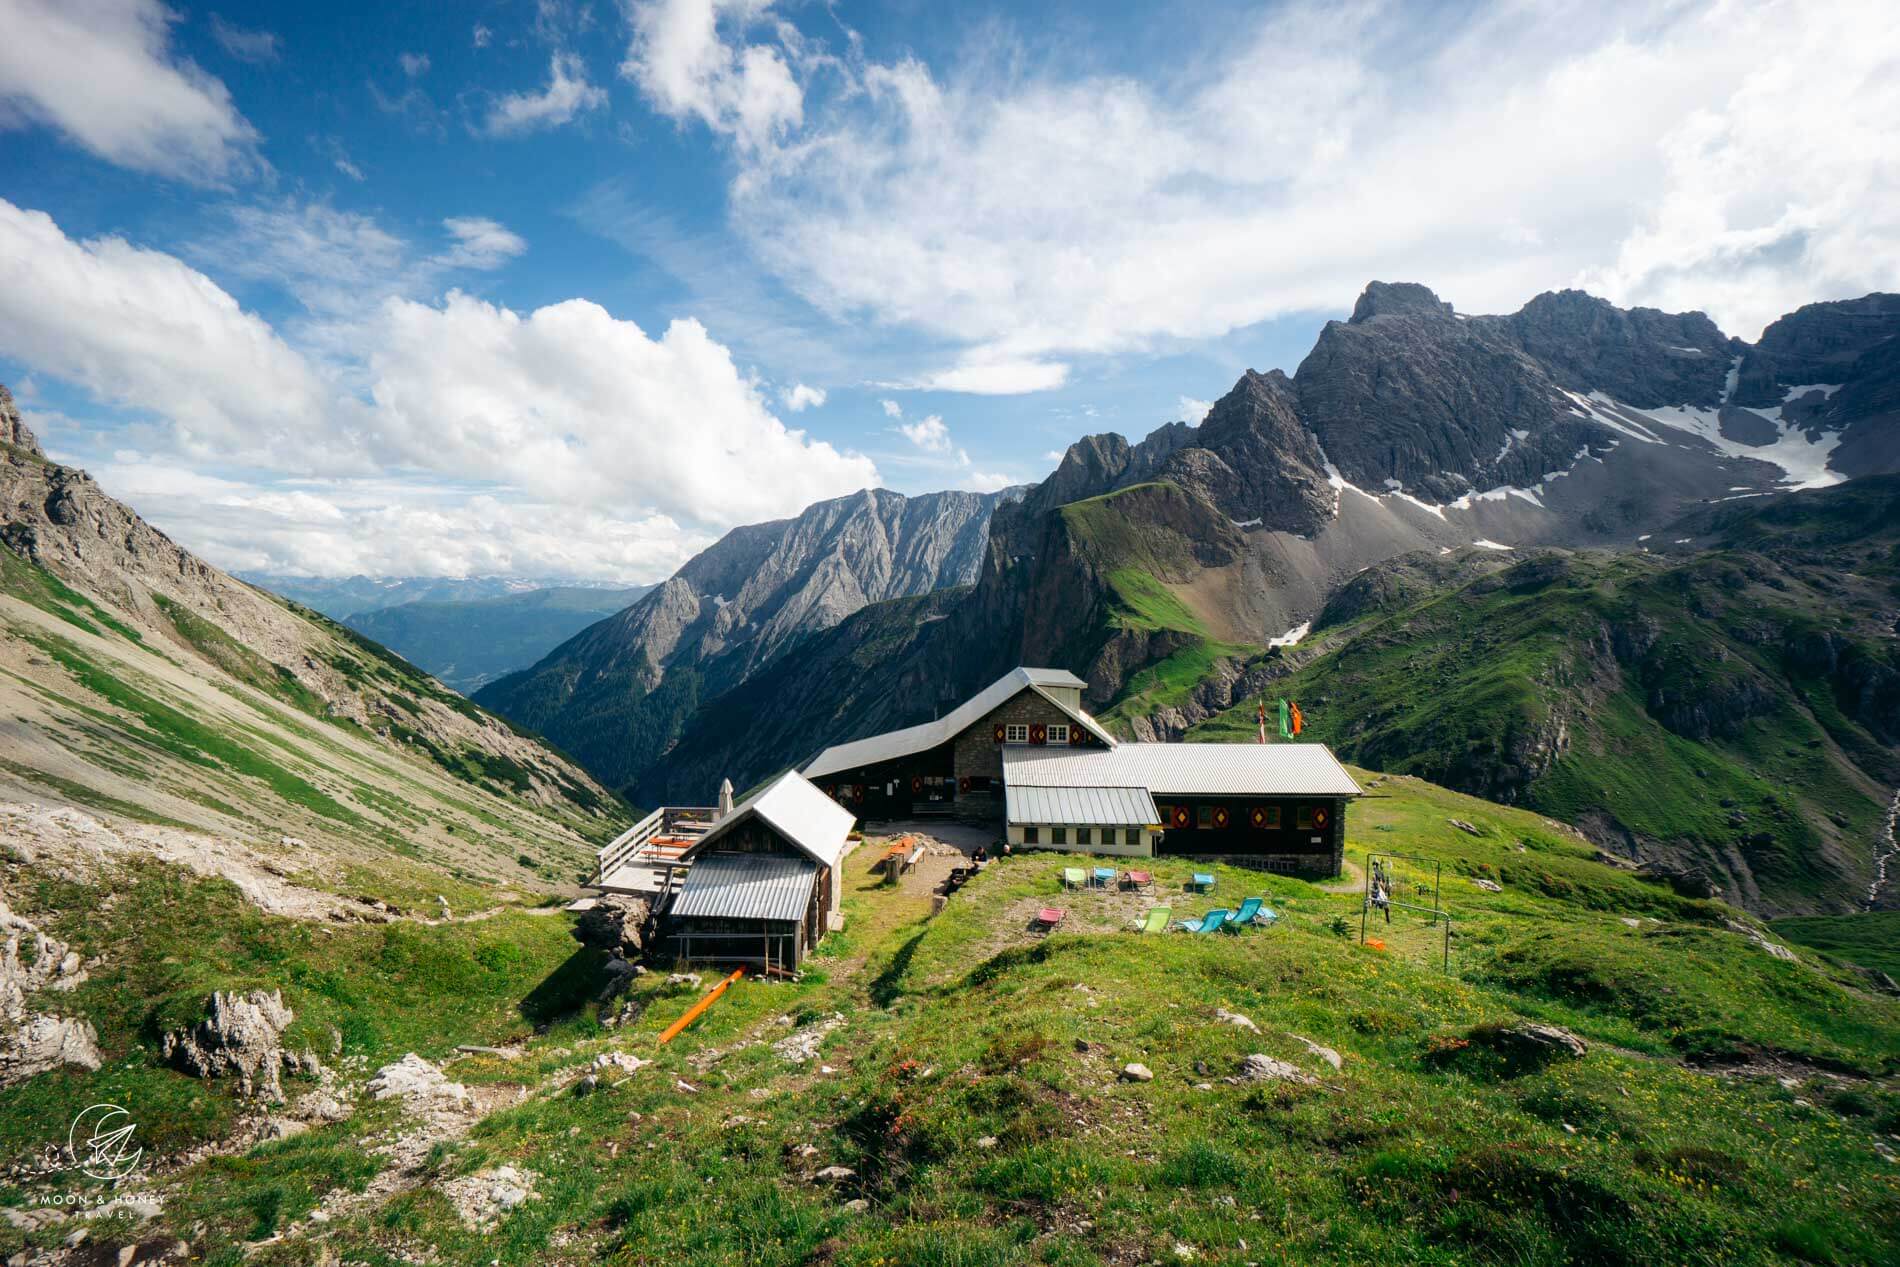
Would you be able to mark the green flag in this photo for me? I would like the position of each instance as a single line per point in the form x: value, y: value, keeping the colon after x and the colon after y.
x: 1286, y: 721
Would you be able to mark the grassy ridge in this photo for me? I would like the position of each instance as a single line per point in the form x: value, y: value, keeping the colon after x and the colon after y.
x: 972, y: 1088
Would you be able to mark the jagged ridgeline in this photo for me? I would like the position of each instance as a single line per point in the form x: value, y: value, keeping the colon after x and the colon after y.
x: 1165, y: 571
x: 141, y: 682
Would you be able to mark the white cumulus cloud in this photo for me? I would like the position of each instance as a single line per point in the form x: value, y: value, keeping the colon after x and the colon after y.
x: 684, y: 64
x: 103, y: 72
x: 927, y: 433
x: 1193, y: 410
x: 798, y: 397
x: 567, y: 96
x: 564, y: 406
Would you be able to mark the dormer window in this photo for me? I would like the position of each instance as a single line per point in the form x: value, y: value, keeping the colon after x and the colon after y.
x: 1058, y: 732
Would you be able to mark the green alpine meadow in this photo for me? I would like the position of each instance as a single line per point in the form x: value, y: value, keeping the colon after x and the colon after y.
x: 756, y: 633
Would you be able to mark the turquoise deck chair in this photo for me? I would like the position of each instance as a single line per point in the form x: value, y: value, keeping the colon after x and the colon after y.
x: 1203, y: 881
x: 1245, y: 915
x: 1210, y: 922
x: 1103, y: 877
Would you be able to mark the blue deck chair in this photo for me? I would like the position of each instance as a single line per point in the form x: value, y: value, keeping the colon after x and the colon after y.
x: 1203, y: 881
x: 1103, y: 877
x: 1245, y: 915
x: 1208, y: 923
x: 1266, y: 917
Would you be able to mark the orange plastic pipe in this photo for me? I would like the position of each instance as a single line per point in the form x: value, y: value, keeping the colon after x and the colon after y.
x: 692, y: 1013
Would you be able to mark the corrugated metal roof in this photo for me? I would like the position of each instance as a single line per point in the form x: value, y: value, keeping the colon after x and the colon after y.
x: 1084, y: 806
x: 747, y: 886
x: 801, y: 813
x: 901, y: 743
x: 1188, y: 769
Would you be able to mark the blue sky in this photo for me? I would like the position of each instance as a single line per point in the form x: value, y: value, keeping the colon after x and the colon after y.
x: 566, y: 290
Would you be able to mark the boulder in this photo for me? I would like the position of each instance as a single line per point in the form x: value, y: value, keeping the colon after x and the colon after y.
x: 241, y: 1036
x: 616, y: 924
x: 1235, y: 1019
x: 1137, y: 1072
x: 420, y: 1085
x: 1326, y: 1054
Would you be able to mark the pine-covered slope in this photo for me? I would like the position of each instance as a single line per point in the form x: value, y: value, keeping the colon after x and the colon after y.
x: 140, y: 682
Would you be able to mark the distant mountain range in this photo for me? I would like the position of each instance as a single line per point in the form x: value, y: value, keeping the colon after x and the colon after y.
x: 340, y: 598
x: 1156, y: 568
x: 470, y: 642
x: 617, y: 694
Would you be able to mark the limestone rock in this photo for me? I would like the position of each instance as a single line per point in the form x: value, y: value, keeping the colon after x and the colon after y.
x: 1135, y: 1071
x: 1235, y: 1019
x: 483, y: 1198
x: 420, y: 1085
x: 1264, y: 1068
x: 33, y: 1043
x: 1326, y: 1054
x: 241, y: 1036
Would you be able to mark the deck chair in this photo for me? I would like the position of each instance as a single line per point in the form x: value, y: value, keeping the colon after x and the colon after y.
x: 1102, y: 877
x: 1208, y: 923
x: 1074, y: 877
x: 1203, y: 881
x: 1142, y: 880
x: 1245, y: 915
x: 1156, y: 921
x: 1050, y: 918
x: 1266, y: 917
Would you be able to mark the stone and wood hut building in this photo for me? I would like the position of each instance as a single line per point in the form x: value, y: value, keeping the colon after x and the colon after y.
x: 1023, y: 753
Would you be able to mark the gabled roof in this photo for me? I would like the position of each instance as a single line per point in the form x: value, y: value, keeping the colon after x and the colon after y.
x: 1081, y: 806
x: 801, y: 813
x: 902, y: 743
x: 1187, y: 769
x: 747, y: 886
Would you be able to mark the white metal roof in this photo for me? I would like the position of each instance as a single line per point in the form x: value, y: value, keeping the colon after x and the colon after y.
x: 1085, y: 806
x: 747, y: 886
x: 902, y: 743
x: 1187, y: 769
x: 801, y: 813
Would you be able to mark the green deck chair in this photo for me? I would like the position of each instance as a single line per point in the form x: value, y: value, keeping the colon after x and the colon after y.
x: 1074, y: 877
x: 1156, y: 920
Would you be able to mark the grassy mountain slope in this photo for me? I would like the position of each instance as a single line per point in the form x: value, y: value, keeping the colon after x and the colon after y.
x: 1729, y: 712
x: 470, y: 642
x: 1731, y: 1108
x: 139, y: 682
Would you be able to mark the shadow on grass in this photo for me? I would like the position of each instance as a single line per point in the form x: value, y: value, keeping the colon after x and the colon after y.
x: 886, y: 988
x: 565, y: 990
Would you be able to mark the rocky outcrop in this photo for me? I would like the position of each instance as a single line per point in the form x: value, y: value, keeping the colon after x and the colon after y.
x: 33, y: 1042
x: 13, y: 428
x: 616, y: 924
x: 240, y: 1037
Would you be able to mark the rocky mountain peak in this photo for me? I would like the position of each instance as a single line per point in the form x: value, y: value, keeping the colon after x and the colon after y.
x: 1397, y: 298
x: 1641, y: 356
x: 1255, y: 460
x: 13, y: 428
